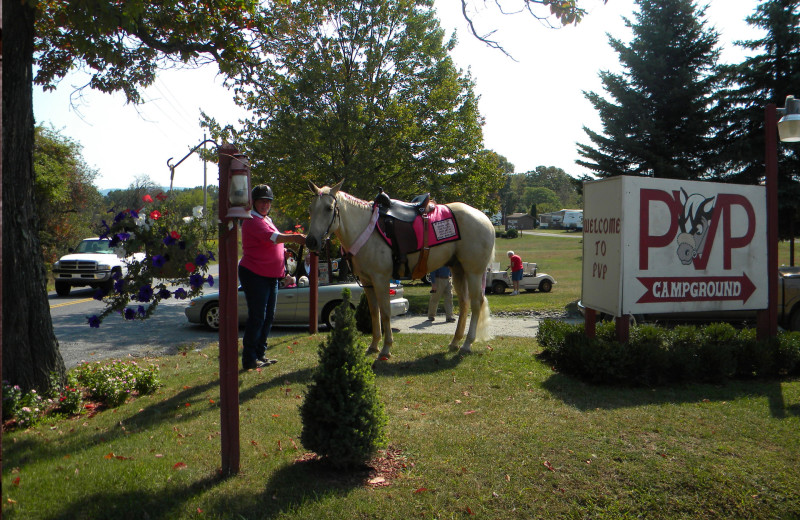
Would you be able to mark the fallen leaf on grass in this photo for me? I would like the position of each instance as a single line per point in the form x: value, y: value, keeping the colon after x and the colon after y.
x: 179, y: 465
x: 12, y: 501
x: 420, y: 490
x: 547, y: 465
x: 377, y: 480
x: 16, y: 482
x: 468, y: 412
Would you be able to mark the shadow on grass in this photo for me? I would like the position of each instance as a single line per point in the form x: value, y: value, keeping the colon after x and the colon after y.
x: 429, y: 364
x: 584, y: 396
x: 166, y: 504
x: 291, y: 487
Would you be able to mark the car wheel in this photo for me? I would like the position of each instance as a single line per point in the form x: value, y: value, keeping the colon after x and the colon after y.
x: 62, y: 288
x: 545, y: 285
x: 327, y: 313
x: 794, y: 320
x: 498, y: 287
x: 210, y: 316
x: 426, y: 279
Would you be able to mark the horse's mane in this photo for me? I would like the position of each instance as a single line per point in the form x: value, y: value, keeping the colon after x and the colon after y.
x: 343, y: 196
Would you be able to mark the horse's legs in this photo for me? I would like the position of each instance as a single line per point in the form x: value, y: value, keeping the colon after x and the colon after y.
x: 460, y: 286
x: 382, y: 293
x: 476, y: 298
x: 374, y: 314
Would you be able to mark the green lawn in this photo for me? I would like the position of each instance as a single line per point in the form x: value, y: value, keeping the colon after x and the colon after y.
x: 497, y: 434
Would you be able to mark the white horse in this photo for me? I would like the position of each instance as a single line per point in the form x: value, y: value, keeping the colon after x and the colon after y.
x: 334, y: 211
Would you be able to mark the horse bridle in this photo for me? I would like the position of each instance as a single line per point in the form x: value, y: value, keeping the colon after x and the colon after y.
x: 333, y: 217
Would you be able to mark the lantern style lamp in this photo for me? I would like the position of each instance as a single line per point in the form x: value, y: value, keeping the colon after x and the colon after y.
x: 789, y: 124
x: 239, y: 188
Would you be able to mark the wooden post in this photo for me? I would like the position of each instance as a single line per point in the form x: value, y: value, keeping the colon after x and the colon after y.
x: 590, y: 321
x: 228, y: 320
x: 313, y: 293
x: 767, y: 321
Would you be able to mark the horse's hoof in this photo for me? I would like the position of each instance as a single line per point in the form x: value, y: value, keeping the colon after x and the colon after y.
x: 453, y: 347
x: 464, y: 351
x: 372, y: 350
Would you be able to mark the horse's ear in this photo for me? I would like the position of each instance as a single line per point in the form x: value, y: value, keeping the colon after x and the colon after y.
x: 336, y: 187
x: 313, y: 188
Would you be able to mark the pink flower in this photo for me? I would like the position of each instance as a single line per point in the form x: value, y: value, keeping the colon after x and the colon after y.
x: 190, y: 267
x: 155, y: 214
x: 147, y: 198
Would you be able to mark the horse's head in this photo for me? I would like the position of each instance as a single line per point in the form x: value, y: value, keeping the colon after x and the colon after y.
x: 322, y: 213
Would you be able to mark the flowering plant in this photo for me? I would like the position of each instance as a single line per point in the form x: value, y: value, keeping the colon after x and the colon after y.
x: 168, y: 256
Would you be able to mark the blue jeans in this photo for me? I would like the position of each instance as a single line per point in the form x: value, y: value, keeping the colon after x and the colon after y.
x: 261, y: 294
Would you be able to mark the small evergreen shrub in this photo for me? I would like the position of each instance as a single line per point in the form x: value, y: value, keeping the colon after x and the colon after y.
x: 363, y: 317
x: 343, y: 419
x: 512, y: 233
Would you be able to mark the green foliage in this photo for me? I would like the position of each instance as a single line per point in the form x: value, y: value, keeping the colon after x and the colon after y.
x: 65, y: 197
x: 123, y: 44
x: 657, y: 356
x: 363, y: 316
x: 364, y: 92
x: 344, y: 420
x: 113, y: 383
x: 25, y: 407
x: 770, y: 72
x: 547, y: 187
x: 659, y: 118
x: 511, y: 233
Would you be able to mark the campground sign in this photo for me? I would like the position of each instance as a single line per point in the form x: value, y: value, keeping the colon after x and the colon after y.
x: 664, y: 245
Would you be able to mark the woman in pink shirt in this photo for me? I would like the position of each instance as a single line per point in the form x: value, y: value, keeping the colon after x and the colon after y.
x: 516, y: 271
x: 260, y: 271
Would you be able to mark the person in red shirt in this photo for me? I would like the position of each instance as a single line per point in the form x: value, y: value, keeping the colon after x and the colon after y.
x: 516, y: 271
x: 260, y: 271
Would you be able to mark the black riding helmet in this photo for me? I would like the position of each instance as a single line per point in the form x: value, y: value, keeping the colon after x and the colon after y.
x: 262, y: 191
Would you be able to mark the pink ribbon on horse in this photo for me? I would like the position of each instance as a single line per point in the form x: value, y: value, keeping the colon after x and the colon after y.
x: 361, y: 240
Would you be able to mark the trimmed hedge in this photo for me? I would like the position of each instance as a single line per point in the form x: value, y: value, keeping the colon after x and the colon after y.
x: 658, y: 356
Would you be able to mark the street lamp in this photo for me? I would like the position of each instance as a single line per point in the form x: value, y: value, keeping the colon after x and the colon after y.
x: 789, y: 124
x: 239, y: 188
x: 789, y: 130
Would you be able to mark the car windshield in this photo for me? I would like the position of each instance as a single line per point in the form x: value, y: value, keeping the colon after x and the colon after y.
x: 95, y: 246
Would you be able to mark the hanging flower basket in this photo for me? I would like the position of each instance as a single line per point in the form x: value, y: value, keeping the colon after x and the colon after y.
x: 171, y: 260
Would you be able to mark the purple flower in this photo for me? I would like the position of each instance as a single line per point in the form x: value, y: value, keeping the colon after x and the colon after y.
x: 180, y: 293
x: 169, y: 240
x: 123, y: 236
x: 134, y: 214
x: 210, y: 281
x: 99, y: 294
x: 164, y: 293
x: 129, y: 313
x: 159, y: 261
x: 120, y: 217
x: 211, y: 256
x: 196, y: 280
x: 145, y: 293
x: 141, y: 311
x: 94, y: 321
x: 106, y: 231
x: 200, y: 260
x: 116, y: 275
x: 119, y: 286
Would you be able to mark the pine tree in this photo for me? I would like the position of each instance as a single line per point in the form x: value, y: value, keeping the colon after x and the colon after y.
x: 768, y: 76
x: 344, y: 420
x: 663, y: 119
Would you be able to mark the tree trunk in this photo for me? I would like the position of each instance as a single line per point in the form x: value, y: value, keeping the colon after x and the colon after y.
x: 30, y: 348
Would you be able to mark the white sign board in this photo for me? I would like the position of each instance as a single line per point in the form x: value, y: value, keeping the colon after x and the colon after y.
x: 664, y: 245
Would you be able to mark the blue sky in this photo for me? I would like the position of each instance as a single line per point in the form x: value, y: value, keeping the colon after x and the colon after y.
x: 533, y: 107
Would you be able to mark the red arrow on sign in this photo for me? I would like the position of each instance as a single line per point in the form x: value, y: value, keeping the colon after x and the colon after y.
x: 696, y: 289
